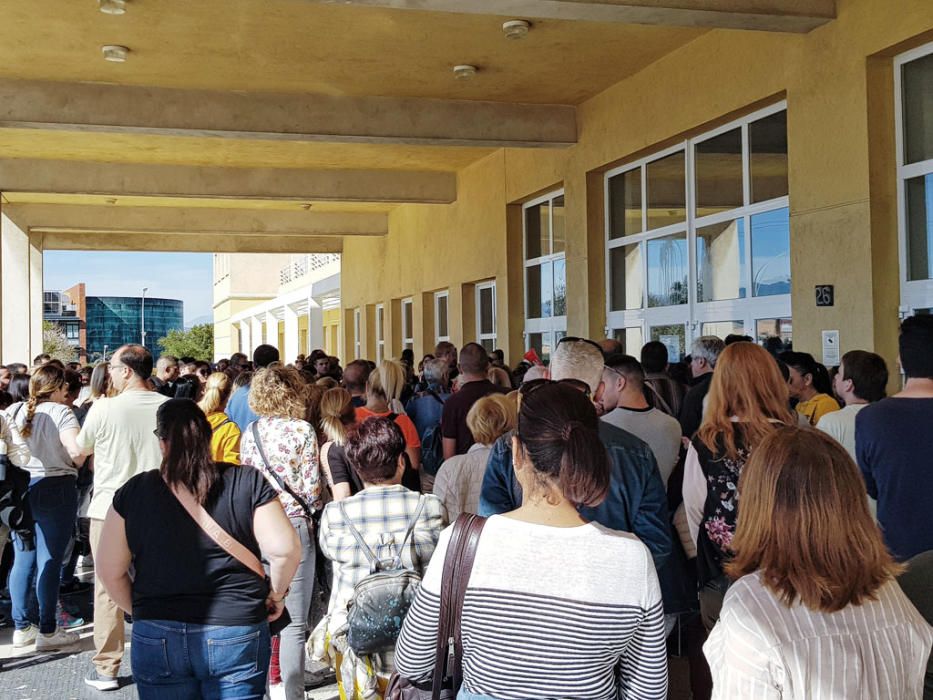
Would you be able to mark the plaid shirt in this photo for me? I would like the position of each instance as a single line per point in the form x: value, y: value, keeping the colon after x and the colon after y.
x: 381, y: 514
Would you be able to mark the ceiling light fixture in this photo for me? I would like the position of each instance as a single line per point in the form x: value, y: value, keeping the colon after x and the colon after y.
x: 306, y: 206
x: 516, y: 28
x: 464, y: 71
x: 115, y: 53
x: 113, y: 7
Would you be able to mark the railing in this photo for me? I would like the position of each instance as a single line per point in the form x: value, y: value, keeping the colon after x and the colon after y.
x: 297, y: 269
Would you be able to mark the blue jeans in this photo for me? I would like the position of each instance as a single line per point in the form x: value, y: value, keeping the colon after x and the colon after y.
x: 181, y: 661
x: 54, y: 505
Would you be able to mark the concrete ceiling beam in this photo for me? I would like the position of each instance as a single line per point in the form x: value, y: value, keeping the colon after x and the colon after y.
x: 116, y: 179
x: 797, y: 16
x: 183, y: 243
x: 121, y: 109
x: 157, y: 221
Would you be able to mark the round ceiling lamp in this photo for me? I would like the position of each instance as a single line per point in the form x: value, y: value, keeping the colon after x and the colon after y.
x: 113, y: 7
x: 516, y: 28
x: 115, y: 53
x: 464, y: 71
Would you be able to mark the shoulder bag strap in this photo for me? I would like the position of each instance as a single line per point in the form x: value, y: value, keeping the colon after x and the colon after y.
x: 370, y: 556
x: 458, y: 564
x: 411, y: 528
x: 282, y: 483
x: 664, y: 405
x: 325, y: 463
x: 220, y: 536
x: 436, y: 397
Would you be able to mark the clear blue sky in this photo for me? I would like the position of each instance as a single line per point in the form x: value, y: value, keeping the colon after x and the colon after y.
x: 185, y: 276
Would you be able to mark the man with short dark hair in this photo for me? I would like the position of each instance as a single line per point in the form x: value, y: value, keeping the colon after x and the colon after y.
x: 355, y: 376
x: 611, y: 346
x: 894, y: 444
x: 624, y: 405
x: 118, y: 431
x: 861, y: 380
x: 41, y: 359
x: 238, y: 409
x: 17, y: 368
x: 474, y: 361
x: 705, y: 352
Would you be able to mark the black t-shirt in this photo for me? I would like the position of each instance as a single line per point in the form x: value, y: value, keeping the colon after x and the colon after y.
x: 453, y: 419
x: 181, y: 573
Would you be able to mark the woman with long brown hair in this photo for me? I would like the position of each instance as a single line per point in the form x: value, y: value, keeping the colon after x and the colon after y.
x: 747, y: 401
x: 815, y: 610
x: 49, y: 428
x: 200, y: 616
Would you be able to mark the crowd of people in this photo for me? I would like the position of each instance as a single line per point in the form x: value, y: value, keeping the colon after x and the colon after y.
x: 763, y: 515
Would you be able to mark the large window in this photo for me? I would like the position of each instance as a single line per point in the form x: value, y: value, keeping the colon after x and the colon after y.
x: 408, y: 341
x: 380, y: 333
x: 441, y: 322
x: 486, y: 315
x: 698, y: 238
x: 914, y: 129
x: 545, y: 272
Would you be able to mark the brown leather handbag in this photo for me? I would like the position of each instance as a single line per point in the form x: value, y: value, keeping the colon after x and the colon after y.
x: 448, y: 657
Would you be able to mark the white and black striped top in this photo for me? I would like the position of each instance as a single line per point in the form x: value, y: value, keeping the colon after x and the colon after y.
x: 762, y: 649
x: 549, y: 613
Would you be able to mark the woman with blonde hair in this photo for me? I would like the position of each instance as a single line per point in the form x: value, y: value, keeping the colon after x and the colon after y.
x: 49, y: 429
x: 747, y: 401
x: 815, y: 610
x: 460, y: 478
x: 283, y: 446
x: 225, y: 434
x: 383, y: 399
x: 337, y: 417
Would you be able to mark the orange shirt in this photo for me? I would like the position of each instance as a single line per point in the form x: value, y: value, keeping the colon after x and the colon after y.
x: 401, y: 420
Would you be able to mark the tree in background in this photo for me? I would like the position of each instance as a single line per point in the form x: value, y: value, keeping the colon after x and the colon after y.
x: 198, y: 342
x: 56, y: 344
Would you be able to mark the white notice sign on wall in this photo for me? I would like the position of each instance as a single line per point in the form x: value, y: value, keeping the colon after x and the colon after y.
x: 830, y: 348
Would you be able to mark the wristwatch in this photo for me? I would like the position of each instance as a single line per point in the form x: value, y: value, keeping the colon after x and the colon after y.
x: 278, y: 600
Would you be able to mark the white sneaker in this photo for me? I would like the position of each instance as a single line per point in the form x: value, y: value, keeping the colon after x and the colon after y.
x: 85, y: 561
x: 56, y: 640
x: 277, y: 691
x: 23, y: 638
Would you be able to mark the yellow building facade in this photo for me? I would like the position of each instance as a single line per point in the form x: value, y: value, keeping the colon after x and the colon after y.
x: 699, y: 132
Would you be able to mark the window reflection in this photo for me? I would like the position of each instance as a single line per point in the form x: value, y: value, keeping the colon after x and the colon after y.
x: 558, y: 230
x: 770, y: 234
x: 560, y: 287
x: 667, y: 197
x: 625, y: 204
x: 775, y: 334
x: 719, y: 173
x: 916, y: 79
x: 537, y: 231
x: 767, y: 139
x: 667, y: 270
x: 721, y: 261
x: 626, y: 283
x: 674, y: 338
x: 919, y: 191
x: 631, y: 339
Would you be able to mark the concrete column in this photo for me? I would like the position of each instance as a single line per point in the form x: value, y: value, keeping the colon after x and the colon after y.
x: 272, y: 330
x: 315, y: 324
x: 291, y: 349
x: 255, y: 334
x: 246, y: 346
x: 20, y: 294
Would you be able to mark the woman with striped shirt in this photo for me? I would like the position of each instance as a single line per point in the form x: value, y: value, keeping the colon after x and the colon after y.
x: 815, y: 611
x: 556, y: 607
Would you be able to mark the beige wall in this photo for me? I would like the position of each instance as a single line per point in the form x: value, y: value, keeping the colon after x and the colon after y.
x: 836, y: 81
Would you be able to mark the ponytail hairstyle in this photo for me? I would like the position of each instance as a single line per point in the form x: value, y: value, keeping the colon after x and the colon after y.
x: 337, y: 414
x: 217, y: 390
x: 187, y: 460
x: 388, y: 382
x: 558, y: 433
x: 44, y: 382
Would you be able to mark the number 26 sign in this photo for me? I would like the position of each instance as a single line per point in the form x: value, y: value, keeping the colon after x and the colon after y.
x: 825, y: 295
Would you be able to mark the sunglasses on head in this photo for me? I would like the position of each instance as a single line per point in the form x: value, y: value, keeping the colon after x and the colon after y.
x: 532, y: 385
x: 574, y: 339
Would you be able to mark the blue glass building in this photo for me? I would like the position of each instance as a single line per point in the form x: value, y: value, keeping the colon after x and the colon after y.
x: 115, y: 321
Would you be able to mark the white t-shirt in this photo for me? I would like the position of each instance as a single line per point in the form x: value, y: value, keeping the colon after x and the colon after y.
x: 120, y: 432
x: 841, y: 425
x: 49, y: 456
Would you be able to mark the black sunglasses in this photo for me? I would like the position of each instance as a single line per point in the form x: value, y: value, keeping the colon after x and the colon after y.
x: 574, y: 339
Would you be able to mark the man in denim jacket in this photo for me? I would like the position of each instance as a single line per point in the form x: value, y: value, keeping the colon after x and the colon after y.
x: 636, y: 501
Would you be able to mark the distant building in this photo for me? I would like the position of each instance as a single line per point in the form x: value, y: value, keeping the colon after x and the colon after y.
x: 67, y: 310
x: 96, y: 326
x: 115, y: 321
